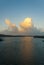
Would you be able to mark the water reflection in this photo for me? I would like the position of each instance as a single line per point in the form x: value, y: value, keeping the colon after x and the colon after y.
x: 27, y: 50
x: 16, y: 51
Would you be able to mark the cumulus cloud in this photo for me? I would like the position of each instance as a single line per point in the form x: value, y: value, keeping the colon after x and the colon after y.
x: 8, y: 22
x: 12, y: 28
x: 26, y: 24
x: 25, y: 27
x: 10, y: 25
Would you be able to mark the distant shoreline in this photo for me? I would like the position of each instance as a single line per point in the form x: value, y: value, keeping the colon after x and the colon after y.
x: 2, y: 35
x: 36, y: 36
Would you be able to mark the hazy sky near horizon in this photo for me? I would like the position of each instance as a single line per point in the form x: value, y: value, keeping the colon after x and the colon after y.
x: 17, y: 10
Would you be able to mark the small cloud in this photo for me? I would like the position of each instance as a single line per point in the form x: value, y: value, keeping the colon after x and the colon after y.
x: 7, y: 22
x: 10, y: 25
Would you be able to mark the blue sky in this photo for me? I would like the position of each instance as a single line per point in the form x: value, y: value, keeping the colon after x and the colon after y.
x: 17, y: 10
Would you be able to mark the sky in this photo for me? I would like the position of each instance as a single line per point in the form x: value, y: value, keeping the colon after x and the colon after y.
x: 17, y: 10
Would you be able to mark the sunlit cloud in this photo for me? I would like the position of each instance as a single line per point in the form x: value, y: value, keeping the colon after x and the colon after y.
x: 8, y: 22
x: 26, y: 27
x: 23, y: 26
x: 10, y: 25
x: 26, y: 24
x: 20, y: 29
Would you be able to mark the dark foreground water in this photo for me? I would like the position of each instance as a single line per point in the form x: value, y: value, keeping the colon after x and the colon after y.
x: 21, y: 51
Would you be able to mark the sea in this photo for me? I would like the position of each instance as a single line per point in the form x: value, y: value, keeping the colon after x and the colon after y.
x: 21, y: 51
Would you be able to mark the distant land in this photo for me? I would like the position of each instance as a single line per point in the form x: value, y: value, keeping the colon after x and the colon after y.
x: 35, y: 36
x: 3, y: 35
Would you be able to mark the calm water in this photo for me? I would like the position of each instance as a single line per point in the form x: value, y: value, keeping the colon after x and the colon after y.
x: 21, y: 51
